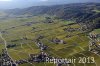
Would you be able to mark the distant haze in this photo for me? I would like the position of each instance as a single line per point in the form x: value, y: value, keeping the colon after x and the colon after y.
x: 10, y: 4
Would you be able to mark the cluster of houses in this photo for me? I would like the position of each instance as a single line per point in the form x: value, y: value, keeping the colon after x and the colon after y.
x: 5, y: 60
x: 94, y: 36
x: 44, y: 57
x: 21, y: 61
x: 38, y: 57
x: 58, y: 41
x: 93, y: 45
x: 83, y: 27
x: 71, y: 29
x: 33, y: 58
x: 68, y: 36
x: 41, y: 46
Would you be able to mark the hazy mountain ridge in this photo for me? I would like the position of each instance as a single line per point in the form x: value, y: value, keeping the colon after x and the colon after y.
x: 80, y: 12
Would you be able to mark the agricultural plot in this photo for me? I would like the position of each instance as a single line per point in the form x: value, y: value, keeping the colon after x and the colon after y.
x: 64, y: 39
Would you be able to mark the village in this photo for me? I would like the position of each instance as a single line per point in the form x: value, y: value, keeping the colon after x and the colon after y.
x: 94, y: 44
x: 36, y: 41
x: 5, y: 60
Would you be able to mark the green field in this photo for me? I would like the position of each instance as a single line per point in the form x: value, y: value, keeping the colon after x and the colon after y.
x: 16, y: 28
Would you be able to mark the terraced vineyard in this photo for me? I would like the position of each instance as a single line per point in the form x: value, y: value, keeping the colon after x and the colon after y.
x: 20, y: 35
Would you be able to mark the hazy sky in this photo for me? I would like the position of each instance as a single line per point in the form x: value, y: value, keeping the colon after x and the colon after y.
x: 9, y: 4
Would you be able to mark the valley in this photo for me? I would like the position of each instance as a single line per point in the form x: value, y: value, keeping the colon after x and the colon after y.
x: 26, y: 40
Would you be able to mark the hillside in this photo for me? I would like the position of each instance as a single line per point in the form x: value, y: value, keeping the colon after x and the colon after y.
x: 79, y: 12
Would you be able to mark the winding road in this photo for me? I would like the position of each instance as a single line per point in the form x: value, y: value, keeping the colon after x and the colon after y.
x: 5, y: 43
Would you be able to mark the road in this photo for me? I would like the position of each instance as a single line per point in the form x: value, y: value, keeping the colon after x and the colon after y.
x: 5, y: 43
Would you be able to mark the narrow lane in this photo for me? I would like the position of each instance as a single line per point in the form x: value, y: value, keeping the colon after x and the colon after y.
x: 5, y: 43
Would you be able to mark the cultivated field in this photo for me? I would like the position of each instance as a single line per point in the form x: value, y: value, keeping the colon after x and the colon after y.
x: 23, y: 31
